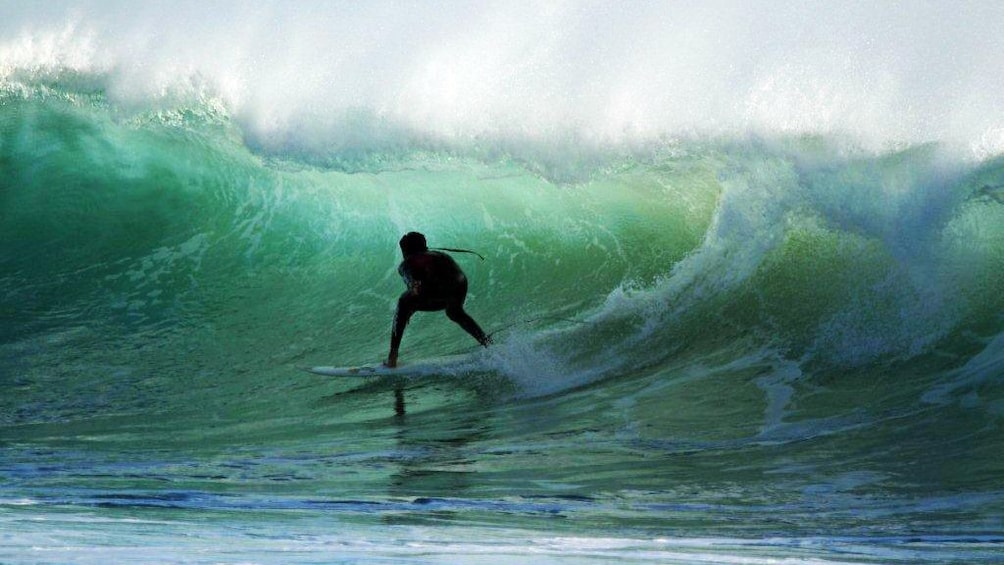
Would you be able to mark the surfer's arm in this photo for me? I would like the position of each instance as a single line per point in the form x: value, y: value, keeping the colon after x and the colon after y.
x: 401, y: 317
x: 395, y: 339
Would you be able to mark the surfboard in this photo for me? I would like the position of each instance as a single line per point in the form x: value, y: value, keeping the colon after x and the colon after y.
x: 432, y: 366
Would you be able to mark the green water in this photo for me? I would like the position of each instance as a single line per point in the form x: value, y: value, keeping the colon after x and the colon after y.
x: 708, y: 339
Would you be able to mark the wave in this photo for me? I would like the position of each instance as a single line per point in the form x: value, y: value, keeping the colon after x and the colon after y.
x: 721, y: 264
x: 771, y: 314
x: 165, y: 230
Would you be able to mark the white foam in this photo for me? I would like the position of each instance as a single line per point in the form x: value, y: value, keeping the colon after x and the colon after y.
x: 884, y: 72
x: 80, y: 541
x: 17, y: 502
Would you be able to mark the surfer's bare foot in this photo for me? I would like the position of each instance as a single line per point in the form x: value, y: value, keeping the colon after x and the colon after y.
x: 391, y: 362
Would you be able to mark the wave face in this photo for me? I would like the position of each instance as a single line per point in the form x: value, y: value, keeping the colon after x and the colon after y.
x: 717, y: 313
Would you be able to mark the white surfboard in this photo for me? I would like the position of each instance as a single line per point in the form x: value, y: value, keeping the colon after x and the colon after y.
x: 445, y: 365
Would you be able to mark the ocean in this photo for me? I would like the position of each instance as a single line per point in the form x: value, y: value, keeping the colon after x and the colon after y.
x: 742, y: 267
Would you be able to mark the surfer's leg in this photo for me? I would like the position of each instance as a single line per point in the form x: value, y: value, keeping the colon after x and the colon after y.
x: 456, y: 313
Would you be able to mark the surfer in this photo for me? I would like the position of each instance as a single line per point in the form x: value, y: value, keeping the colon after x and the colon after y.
x: 435, y: 282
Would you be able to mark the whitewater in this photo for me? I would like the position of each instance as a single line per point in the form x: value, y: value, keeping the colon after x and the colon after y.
x: 741, y: 266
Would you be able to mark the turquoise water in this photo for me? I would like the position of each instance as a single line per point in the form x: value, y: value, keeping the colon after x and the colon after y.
x: 710, y: 347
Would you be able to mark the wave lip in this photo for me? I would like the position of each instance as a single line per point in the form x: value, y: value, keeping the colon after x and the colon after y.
x: 591, y: 72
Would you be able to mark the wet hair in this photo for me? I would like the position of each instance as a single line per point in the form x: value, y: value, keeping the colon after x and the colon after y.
x: 413, y: 242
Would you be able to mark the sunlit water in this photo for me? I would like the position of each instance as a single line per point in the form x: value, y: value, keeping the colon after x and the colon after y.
x: 761, y: 325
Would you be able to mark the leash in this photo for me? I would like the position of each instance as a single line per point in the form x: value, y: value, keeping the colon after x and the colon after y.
x: 535, y: 320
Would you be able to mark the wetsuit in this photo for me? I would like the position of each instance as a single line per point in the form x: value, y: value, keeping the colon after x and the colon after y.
x: 435, y: 282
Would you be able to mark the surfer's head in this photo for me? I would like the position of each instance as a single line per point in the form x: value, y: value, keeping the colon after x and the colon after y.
x: 412, y: 243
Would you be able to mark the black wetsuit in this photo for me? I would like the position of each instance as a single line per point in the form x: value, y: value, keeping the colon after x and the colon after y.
x: 435, y: 282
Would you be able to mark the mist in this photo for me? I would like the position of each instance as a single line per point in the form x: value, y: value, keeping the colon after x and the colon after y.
x: 602, y: 72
